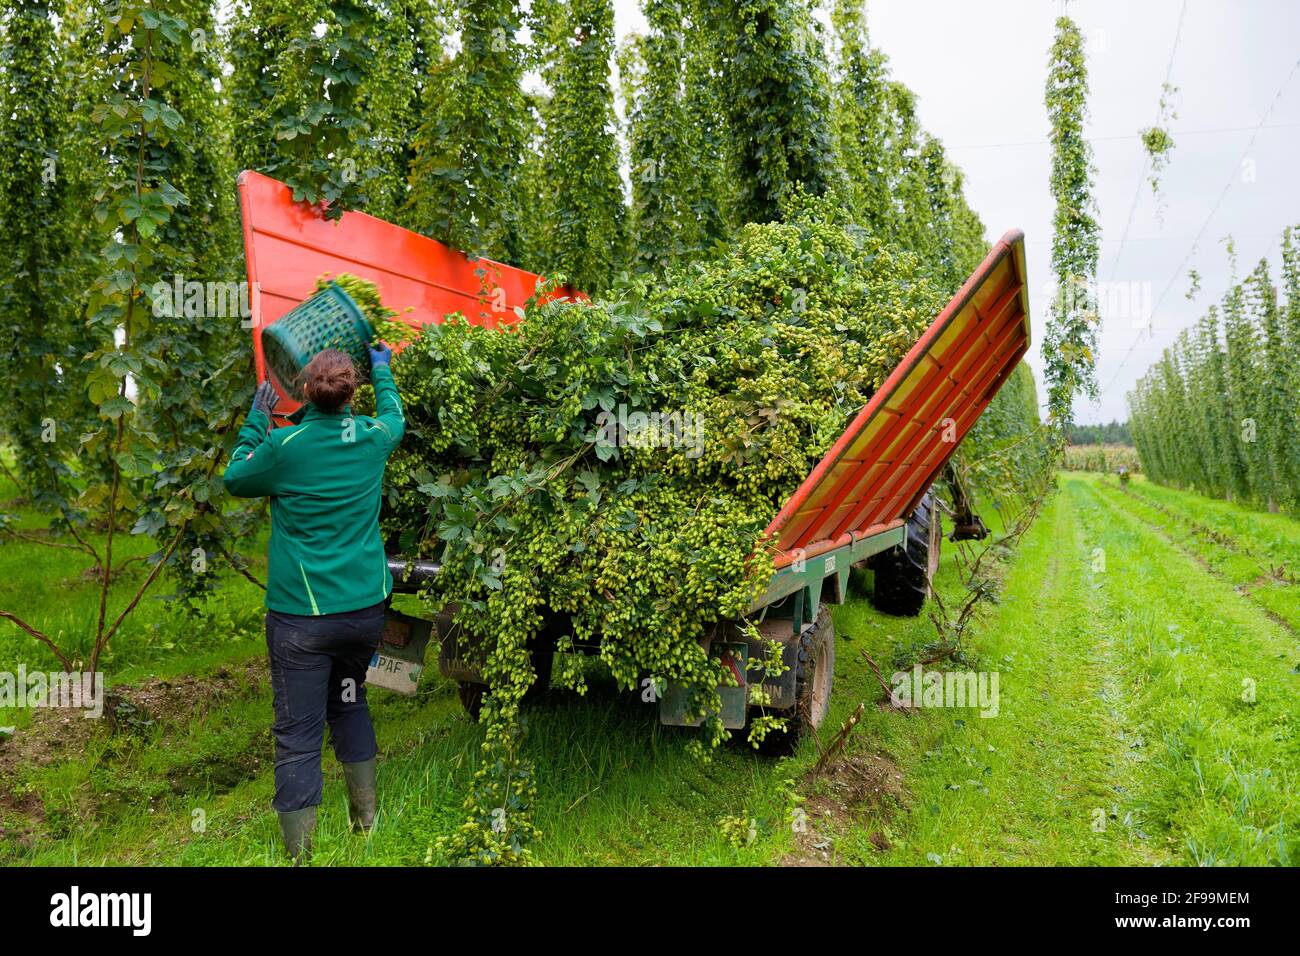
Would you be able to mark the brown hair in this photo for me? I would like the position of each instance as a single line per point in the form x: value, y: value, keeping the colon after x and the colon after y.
x: 330, y: 380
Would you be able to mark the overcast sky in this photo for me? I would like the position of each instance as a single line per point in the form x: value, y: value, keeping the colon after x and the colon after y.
x: 978, y: 69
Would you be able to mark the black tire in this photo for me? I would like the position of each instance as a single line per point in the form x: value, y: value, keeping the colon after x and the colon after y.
x: 471, y: 697
x: 905, y: 574
x: 814, y: 678
x: 541, y: 650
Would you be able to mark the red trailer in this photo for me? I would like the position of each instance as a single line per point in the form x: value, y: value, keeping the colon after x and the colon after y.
x: 867, y: 501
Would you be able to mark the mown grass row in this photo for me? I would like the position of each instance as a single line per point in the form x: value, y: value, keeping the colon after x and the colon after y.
x: 1257, y: 553
x: 1209, y: 683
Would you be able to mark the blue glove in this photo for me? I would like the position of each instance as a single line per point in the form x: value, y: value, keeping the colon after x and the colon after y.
x: 381, y: 355
x: 265, y: 399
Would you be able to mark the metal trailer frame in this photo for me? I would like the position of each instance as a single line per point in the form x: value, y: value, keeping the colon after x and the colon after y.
x: 853, y: 505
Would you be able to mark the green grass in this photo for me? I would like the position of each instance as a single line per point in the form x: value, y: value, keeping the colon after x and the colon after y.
x: 1121, y: 737
x: 1023, y: 787
x: 1275, y: 536
x: 1257, y: 552
x: 1210, y: 681
x: 52, y: 590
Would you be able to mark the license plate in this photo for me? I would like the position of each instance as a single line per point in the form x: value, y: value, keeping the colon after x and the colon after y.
x: 399, y: 660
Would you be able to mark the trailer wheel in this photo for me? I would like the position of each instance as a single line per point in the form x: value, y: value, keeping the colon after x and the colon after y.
x: 814, y: 677
x: 905, y: 574
x: 471, y: 697
x: 541, y: 650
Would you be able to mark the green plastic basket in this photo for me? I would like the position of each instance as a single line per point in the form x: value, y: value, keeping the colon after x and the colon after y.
x: 330, y: 319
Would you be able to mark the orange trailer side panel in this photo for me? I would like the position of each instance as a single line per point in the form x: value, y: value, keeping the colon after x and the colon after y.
x: 893, y: 450
x: 288, y: 245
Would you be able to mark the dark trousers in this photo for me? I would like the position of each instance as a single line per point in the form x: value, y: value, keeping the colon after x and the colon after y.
x: 318, y: 677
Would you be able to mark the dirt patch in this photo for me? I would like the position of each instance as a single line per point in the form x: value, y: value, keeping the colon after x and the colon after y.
x: 857, y: 784
x: 55, y: 736
x: 59, y: 734
x: 51, y: 736
x: 174, y: 699
x: 1274, y: 576
x: 221, y: 774
x: 128, y: 568
x: 28, y: 804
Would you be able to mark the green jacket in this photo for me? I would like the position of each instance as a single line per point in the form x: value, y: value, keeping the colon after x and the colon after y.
x: 324, y: 476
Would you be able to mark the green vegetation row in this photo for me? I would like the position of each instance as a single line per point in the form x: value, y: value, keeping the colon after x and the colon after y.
x: 1205, y: 685
x: 1107, y: 459
x: 1114, y: 433
x: 123, y: 124
x: 1217, y: 413
x: 1253, y: 551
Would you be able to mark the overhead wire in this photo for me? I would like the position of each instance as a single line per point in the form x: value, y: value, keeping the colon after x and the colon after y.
x: 1178, y: 270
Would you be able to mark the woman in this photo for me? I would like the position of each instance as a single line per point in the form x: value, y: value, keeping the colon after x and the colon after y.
x: 327, y: 577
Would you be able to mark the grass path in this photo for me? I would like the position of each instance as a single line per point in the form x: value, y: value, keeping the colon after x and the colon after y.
x: 1257, y: 553
x: 1209, y: 680
x: 1038, y: 783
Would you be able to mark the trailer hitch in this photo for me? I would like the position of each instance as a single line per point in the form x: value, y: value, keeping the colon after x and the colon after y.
x: 398, y: 661
x: 967, y: 526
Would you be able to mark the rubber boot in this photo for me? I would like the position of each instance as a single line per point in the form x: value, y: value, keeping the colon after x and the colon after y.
x: 361, y: 794
x: 296, y: 828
